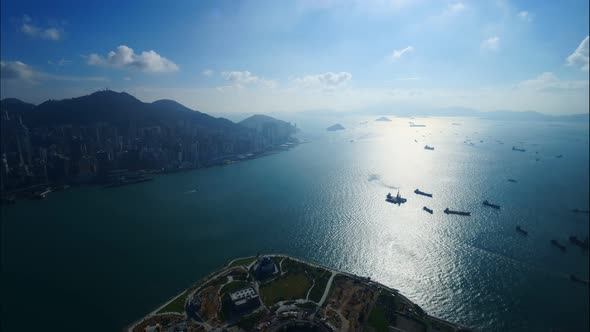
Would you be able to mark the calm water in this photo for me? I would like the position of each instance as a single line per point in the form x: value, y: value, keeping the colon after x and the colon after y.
x: 101, y: 258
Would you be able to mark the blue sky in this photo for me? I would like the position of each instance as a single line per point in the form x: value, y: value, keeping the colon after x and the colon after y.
x: 272, y: 56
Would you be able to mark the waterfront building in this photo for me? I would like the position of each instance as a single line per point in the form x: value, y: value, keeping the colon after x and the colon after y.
x: 244, y: 299
x: 264, y: 268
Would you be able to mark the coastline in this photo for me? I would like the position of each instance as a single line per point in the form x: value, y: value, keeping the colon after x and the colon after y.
x: 252, y: 261
x: 42, y: 190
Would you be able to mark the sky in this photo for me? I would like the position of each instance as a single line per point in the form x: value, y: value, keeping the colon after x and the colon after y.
x: 306, y: 55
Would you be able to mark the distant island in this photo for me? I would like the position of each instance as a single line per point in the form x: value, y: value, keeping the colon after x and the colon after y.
x: 383, y: 119
x: 282, y: 293
x: 111, y: 138
x: 335, y: 127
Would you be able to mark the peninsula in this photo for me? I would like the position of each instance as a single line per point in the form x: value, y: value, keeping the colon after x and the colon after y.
x: 282, y: 293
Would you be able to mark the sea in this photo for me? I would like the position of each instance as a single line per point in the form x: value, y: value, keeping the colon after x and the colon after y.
x: 96, y: 259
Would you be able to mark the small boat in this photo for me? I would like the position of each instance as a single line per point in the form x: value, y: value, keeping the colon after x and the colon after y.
x: 512, y: 180
x: 560, y: 156
x: 581, y: 244
x: 428, y: 210
x: 580, y: 211
x: 461, y: 213
x: 514, y: 148
x: 486, y: 203
x: 522, y: 231
x: 395, y: 200
x: 558, y: 245
x: 426, y: 147
x: 42, y: 195
x: 419, y: 192
x: 576, y: 279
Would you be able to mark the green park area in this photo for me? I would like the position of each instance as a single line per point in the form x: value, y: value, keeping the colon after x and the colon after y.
x: 290, y: 286
x: 318, y: 275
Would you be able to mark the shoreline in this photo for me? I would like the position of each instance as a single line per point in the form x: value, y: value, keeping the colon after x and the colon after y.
x: 31, y: 192
x: 231, y: 265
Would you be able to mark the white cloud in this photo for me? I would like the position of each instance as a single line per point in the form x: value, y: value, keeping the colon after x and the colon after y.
x: 125, y: 58
x: 399, y: 53
x: 548, y: 82
x: 50, y: 33
x: 16, y: 70
x: 525, y: 16
x: 242, y: 78
x: 455, y: 8
x: 208, y: 72
x: 327, y: 80
x: 580, y: 56
x: 60, y: 63
x: 492, y: 43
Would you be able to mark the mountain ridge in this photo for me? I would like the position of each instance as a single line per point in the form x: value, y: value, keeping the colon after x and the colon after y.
x: 118, y: 108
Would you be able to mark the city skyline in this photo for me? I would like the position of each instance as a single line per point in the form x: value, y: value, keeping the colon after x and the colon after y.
x: 255, y: 57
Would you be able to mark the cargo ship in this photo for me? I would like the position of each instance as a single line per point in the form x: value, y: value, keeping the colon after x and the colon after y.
x: 581, y: 244
x: 512, y: 180
x: 558, y: 245
x: 486, y: 203
x: 428, y: 210
x: 514, y: 148
x: 461, y: 213
x: 580, y: 211
x: 522, y: 231
x: 419, y: 192
x: 395, y: 199
x: 576, y: 279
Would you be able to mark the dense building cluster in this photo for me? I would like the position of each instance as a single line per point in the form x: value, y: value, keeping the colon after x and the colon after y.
x: 99, y: 152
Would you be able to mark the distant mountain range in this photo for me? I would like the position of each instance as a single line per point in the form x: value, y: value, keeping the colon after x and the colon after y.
x: 117, y: 108
x: 506, y: 115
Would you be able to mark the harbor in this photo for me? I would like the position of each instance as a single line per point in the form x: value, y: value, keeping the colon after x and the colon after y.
x: 343, y: 207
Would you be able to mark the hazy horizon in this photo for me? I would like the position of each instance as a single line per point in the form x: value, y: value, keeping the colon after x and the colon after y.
x: 256, y: 57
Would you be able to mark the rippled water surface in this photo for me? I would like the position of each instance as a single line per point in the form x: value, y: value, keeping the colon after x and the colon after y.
x: 100, y: 258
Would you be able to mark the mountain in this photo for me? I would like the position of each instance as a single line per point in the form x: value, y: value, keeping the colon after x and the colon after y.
x: 505, y: 115
x: 120, y: 109
x: 259, y: 120
x: 15, y: 105
x: 383, y: 119
x: 530, y: 116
